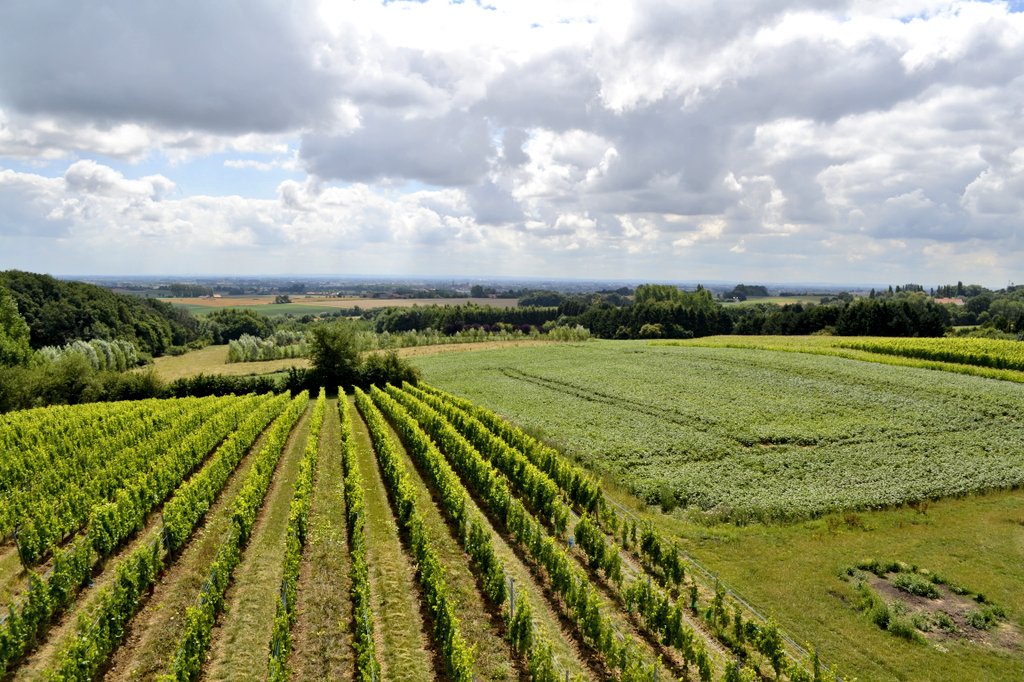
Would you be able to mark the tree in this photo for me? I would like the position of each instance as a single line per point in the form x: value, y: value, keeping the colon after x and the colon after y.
x: 334, y: 352
x: 14, y: 332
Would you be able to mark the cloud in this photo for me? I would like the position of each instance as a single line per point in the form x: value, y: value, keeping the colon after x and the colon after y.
x: 847, y: 138
x: 452, y: 150
x: 220, y: 67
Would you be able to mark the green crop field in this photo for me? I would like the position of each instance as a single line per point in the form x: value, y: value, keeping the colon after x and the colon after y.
x: 889, y: 433
x: 755, y: 435
x: 405, y: 534
x: 412, y: 533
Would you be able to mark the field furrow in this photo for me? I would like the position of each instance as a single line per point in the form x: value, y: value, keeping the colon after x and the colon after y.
x: 240, y: 640
x: 403, y: 645
x: 322, y: 647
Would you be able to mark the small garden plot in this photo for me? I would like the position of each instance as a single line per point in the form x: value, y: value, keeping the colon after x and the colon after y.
x: 921, y: 606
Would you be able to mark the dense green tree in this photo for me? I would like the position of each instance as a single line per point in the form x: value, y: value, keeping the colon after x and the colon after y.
x: 14, y: 332
x: 334, y: 353
x: 230, y: 324
x: 58, y: 312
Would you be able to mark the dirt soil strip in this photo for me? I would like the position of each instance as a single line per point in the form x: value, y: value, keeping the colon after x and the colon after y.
x: 321, y: 636
x: 481, y: 627
x: 402, y: 642
x: 153, y: 633
x: 240, y: 643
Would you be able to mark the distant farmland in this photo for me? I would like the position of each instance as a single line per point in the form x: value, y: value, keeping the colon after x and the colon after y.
x: 315, y: 305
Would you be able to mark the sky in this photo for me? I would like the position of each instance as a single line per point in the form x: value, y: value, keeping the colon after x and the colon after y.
x: 776, y: 141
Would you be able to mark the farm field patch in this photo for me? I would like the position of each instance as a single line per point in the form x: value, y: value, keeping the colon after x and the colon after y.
x: 315, y: 305
x: 745, y: 434
x: 988, y: 358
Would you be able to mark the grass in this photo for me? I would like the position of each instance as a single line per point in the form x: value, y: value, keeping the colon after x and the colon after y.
x: 791, y: 570
x: 214, y: 360
x: 240, y: 643
x: 322, y: 646
x: 748, y: 435
x: 403, y: 646
x: 480, y: 628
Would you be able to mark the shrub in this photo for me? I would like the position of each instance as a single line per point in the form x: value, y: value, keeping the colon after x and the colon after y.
x: 903, y: 627
x: 914, y: 584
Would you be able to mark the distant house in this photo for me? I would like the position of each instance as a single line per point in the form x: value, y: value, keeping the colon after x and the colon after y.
x: 954, y: 301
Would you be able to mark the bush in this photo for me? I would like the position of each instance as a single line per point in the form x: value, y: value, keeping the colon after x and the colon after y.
x: 902, y: 627
x: 945, y: 622
x: 916, y: 585
x: 203, y: 385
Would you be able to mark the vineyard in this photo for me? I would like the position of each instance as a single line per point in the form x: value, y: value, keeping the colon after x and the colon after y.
x: 404, y: 533
x: 749, y: 435
x: 995, y: 353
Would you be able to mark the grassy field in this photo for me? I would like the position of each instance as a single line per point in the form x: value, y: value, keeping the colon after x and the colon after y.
x: 748, y: 434
x: 780, y: 415
x: 316, y: 305
x: 870, y: 349
x: 214, y: 360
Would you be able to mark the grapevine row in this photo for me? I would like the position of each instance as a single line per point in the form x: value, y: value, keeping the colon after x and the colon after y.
x: 581, y: 488
x: 298, y: 511
x: 665, y: 620
x: 61, y: 503
x: 457, y: 655
x: 474, y: 537
x: 584, y: 606
x: 98, y: 635
x: 540, y: 494
x: 367, y: 666
x: 195, y: 497
x: 200, y: 617
x: 32, y: 440
x: 660, y: 612
x: 661, y: 559
x: 114, y: 522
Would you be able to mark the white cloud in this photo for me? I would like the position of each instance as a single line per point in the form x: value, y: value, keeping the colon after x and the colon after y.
x: 856, y: 138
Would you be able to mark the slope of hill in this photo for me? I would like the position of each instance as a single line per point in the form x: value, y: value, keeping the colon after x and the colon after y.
x: 58, y: 312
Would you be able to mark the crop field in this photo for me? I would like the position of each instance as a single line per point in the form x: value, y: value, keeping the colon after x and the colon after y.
x: 404, y: 534
x: 977, y: 357
x: 749, y: 435
x: 981, y: 352
x: 316, y: 305
x: 757, y: 404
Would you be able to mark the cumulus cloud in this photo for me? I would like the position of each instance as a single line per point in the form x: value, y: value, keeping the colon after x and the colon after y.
x: 802, y: 140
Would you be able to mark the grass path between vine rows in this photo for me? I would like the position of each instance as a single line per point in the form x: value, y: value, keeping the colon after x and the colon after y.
x: 322, y: 640
x: 559, y: 632
x: 480, y: 627
x: 240, y: 643
x: 153, y: 633
x: 402, y: 641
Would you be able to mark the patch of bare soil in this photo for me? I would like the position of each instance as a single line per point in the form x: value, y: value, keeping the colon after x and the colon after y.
x: 948, y: 617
